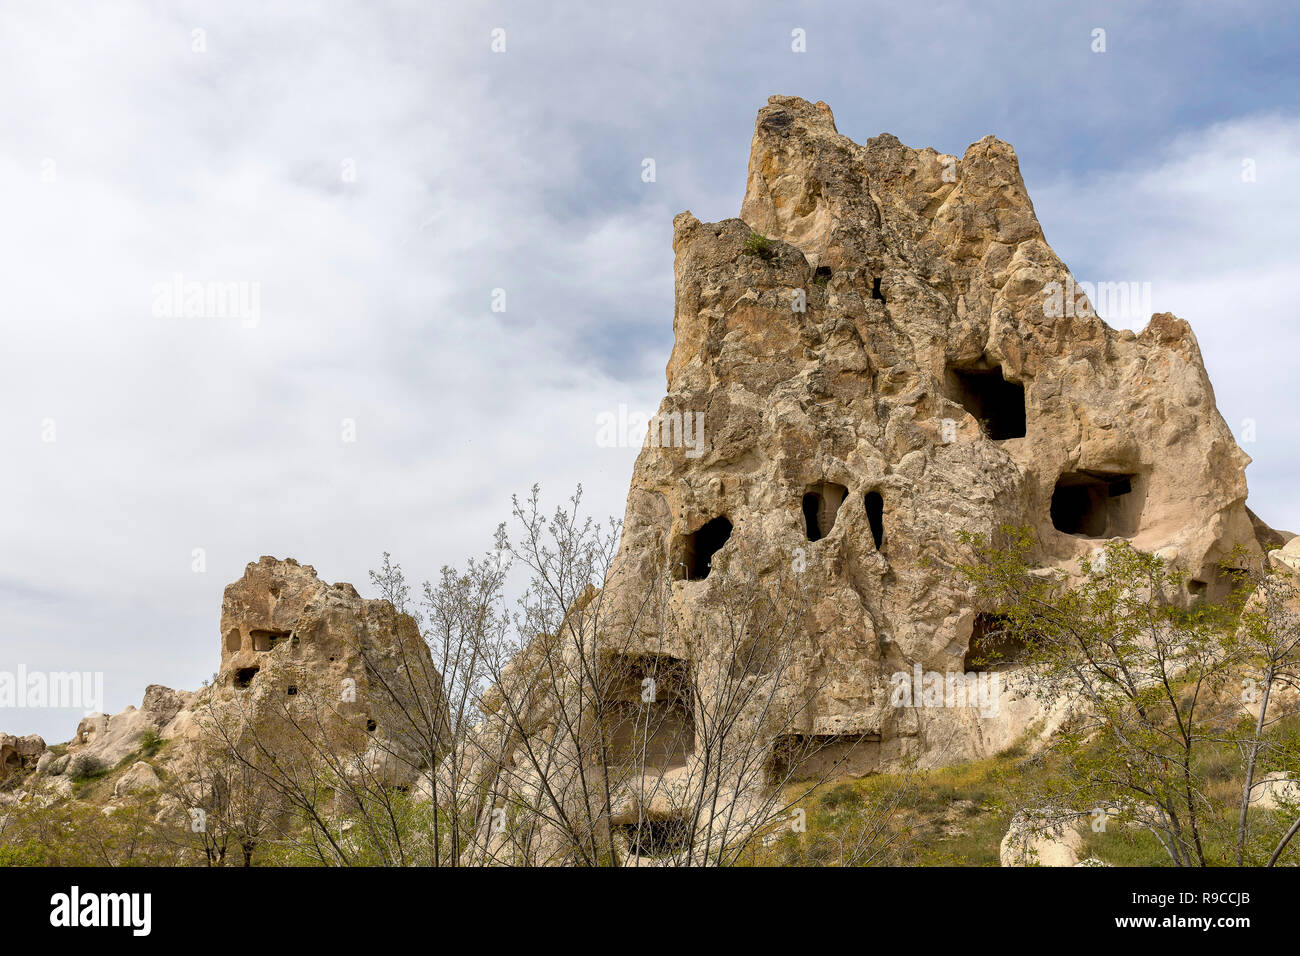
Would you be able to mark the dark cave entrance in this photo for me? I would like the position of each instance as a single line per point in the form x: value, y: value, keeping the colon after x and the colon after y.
x: 992, y: 645
x: 821, y: 503
x: 1095, y: 504
x: 875, y: 505
x: 699, y: 547
x: 998, y: 405
x: 667, y: 836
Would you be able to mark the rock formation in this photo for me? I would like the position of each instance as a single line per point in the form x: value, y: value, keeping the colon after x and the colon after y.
x: 880, y: 354
x: 893, y: 359
x: 297, y: 650
x: 303, y: 664
x: 19, y: 755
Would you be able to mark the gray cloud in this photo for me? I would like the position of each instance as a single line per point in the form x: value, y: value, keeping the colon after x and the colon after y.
x: 476, y: 171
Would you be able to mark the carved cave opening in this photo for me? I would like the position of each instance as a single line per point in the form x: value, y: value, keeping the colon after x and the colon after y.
x: 820, y: 505
x: 266, y: 640
x: 992, y: 645
x: 1094, y: 504
x: 648, y: 711
x: 665, y: 836
x: 875, y: 505
x: 998, y: 405
x: 699, y: 547
x: 824, y: 756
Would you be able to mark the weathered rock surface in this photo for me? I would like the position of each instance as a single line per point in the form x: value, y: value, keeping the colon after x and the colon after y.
x: 894, y: 357
x: 304, y: 663
x: 1031, y: 843
x: 102, y: 741
x: 881, y: 354
x: 300, y: 653
x: 19, y: 755
x: 140, y: 776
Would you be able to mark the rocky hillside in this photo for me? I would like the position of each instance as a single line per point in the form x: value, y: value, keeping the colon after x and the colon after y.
x: 880, y: 358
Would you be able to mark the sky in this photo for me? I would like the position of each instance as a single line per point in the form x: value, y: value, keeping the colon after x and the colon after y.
x: 446, y: 263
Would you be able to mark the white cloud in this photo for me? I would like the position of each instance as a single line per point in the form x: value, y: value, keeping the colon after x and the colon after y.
x: 175, y: 434
x: 1219, y: 252
x: 472, y: 172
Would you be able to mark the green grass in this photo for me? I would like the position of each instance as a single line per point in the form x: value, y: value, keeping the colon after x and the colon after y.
x: 958, y: 815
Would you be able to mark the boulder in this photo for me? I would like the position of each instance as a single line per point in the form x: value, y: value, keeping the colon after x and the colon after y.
x: 1274, y: 792
x: 1030, y: 842
x: 19, y: 755
x: 141, y: 776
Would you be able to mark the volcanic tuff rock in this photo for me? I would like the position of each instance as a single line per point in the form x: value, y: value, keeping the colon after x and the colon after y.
x: 298, y: 650
x: 294, y: 651
x: 882, y: 367
x: 19, y: 754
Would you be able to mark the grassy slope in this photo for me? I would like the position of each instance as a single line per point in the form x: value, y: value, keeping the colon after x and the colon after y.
x: 957, y: 816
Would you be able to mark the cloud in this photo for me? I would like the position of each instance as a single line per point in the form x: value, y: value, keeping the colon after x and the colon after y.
x: 378, y: 172
x: 1212, y: 223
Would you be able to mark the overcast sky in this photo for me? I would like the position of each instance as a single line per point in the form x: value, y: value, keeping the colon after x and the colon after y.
x: 375, y: 171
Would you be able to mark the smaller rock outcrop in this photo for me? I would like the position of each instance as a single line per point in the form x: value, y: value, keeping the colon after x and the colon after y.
x: 140, y: 777
x: 298, y: 653
x: 103, y: 741
x: 19, y: 755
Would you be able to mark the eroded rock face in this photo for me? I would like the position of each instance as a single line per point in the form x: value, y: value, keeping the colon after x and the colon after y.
x: 891, y: 368
x: 295, y: 648
x: 19, y: 755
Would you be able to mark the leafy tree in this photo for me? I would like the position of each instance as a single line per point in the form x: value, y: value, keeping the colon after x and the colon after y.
x: 1145, y: 680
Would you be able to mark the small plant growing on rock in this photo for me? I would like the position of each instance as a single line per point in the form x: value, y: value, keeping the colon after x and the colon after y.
x: 150, y: 744
x: 759, y: 245
x: 84, y: 767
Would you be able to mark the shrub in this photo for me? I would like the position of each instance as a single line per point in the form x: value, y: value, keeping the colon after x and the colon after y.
x: 759, y: 245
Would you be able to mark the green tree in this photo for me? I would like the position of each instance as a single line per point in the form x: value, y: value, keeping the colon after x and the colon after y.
x: 1146, y: 680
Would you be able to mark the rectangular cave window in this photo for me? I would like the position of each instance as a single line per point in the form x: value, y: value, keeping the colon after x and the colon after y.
x: 648, y: 713
x: 998, y: 405
x: 1094, y: 504
x: 992, y: 645
x: 664, y: 836
x: 699, y: 547
x: 292, y: 690
x: 824, y: 756
x: 264, y: 640
x: 875, y: 505
x: 244, y: 676
x: 821, y: 503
